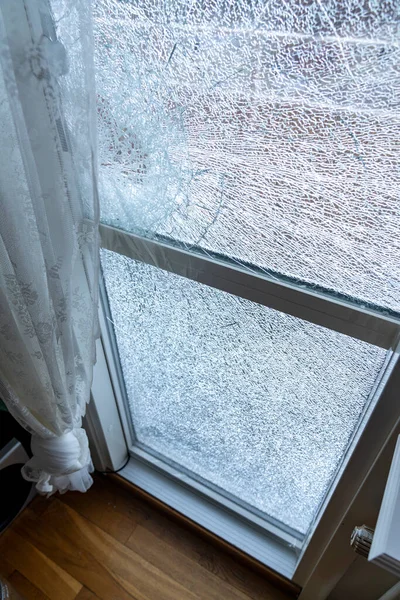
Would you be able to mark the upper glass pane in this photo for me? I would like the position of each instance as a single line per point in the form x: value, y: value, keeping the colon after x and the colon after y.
x: 259, y: 403
x: 264, y: 131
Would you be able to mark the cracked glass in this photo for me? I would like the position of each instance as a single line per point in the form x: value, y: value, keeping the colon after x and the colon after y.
x: 266, y: 132
x: 261, y: 404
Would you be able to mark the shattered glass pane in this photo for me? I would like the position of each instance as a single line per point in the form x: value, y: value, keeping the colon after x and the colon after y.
x: 264, y: 131
x: 256, y: 402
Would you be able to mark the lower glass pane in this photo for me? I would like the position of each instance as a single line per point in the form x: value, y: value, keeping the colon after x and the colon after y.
x: 254, y: 401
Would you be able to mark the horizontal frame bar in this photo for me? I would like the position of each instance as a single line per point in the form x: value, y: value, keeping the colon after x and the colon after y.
x: 213, y: 516
x: 336, y: 314
x: 256, y: 518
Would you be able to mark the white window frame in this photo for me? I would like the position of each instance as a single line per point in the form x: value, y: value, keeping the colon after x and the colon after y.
x: 385, y: 548
x: 361, y: 322
x: 266, y: 541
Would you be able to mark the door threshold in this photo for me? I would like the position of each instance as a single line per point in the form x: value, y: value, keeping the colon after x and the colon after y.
x: 267, y: 555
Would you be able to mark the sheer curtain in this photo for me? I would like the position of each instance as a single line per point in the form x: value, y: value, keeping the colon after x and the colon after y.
x: 48, y: 232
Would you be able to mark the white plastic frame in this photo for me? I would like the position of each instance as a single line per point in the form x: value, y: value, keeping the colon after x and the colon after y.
x: 385, y: 548
x: 343, y: 316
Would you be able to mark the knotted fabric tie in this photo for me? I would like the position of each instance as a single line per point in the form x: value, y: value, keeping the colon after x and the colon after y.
x: 60, y: 463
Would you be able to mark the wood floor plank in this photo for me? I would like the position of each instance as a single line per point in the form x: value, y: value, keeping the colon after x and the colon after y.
x: 26, y: 588
x: 196, y: 543
x: 51, y: 537
x: 106, y: 501
x: 115, y: 545
x: 209, y: 557
x: 6, y: 568
x: 190, y: 544
x: 86, y: 594
x: 40, y: 504
x: 106, y: 508
x: 40, y: 570
x: 101, y: 563
x: 183, y: 569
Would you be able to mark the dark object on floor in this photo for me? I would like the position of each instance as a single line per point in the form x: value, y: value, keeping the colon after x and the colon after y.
x: 14, y: 493
x: 14, y: 452
x: 10, y: 428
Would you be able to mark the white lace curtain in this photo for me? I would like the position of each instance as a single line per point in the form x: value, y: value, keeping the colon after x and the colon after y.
x: 48, y: 232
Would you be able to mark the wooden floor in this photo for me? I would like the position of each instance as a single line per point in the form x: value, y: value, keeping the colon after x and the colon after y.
x: 107, y: 544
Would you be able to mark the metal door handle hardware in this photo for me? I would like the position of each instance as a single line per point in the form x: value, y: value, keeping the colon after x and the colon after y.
x: 361, y: 539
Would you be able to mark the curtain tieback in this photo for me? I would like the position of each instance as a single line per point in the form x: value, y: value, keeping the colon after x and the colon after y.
x: 58, y: 462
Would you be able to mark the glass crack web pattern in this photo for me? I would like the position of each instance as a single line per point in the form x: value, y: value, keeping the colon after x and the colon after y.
x: 267, y: 131
x: 257, y: 402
